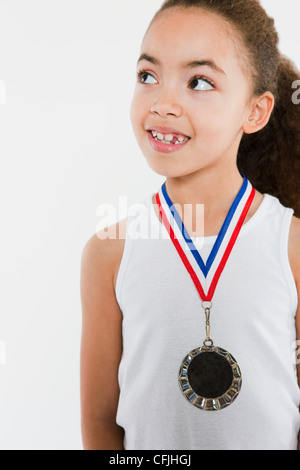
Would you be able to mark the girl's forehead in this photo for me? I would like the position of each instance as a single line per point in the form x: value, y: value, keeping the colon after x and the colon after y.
x: 174, y: 23
x: 177, y: 35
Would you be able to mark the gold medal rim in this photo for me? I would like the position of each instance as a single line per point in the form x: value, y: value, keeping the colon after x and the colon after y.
x: 204, y: 403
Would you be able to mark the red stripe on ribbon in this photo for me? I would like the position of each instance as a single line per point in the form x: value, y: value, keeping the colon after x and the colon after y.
x: 179, y: 249
x: 230, y: 245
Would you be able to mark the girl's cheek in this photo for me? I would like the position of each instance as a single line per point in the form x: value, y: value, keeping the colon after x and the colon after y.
x: 136, y: 114
x: 140, y: 107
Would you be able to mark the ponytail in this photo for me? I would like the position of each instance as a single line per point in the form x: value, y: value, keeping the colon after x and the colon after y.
x: 270, y: 158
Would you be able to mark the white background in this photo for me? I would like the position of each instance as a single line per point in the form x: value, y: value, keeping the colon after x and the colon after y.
x: 66, y: 146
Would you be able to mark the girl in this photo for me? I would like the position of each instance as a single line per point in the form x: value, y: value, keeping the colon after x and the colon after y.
x: 213, y: 113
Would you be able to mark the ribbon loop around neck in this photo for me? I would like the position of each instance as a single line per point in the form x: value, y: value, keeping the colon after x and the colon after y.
x: 206, y: 276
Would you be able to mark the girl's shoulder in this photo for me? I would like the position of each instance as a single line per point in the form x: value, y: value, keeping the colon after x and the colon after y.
x: 104, y: 250
x: 294, y: 250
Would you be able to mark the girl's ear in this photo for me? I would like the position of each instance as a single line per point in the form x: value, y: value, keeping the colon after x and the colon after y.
x: 261, y: 112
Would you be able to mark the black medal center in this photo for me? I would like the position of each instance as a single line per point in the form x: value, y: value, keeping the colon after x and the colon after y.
x: 210, y: 374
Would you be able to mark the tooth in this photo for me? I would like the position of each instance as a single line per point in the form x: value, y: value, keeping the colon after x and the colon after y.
x: 169, y: 137
x: 160, y: 136
x: 181, y: 139
x: 154, y: 133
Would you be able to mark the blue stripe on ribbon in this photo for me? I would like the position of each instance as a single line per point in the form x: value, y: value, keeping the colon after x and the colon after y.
x: 226, y: 224
x: 205, y: 268
x: 184, y: 231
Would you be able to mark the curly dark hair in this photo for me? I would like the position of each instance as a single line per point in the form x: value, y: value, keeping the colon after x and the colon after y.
x: 270, y: 158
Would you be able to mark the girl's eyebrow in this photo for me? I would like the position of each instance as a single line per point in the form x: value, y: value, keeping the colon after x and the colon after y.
x: 186, y: 65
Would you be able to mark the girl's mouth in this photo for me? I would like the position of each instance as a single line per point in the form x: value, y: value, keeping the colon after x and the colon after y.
x: 166, y: 143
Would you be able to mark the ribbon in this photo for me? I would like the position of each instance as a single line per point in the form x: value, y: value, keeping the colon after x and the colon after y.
x: 206, y: 276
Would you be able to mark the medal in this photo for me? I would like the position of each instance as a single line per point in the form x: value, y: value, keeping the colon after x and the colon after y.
x: 209, y: 376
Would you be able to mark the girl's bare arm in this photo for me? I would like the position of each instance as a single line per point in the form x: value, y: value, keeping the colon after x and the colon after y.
x: 101, y: 347
x: 294, y: 254
x: 298, y: 350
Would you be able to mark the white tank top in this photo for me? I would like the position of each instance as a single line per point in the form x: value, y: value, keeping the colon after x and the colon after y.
x: 253, y: 317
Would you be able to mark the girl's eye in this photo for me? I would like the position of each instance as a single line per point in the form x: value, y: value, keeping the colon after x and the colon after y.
x: 206, y: 85
x: 202, y: 86
x: 142, y: 77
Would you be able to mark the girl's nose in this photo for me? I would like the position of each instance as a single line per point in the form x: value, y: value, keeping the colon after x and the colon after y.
x: 165, y: 105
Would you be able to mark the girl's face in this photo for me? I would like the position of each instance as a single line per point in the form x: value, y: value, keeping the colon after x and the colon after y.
x: 176, y: 96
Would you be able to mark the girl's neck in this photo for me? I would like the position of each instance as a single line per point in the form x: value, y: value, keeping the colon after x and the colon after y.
x: 215, y: 191
x: 217, y: 195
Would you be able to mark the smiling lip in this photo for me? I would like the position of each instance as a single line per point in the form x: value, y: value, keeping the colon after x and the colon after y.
x: 164, y: 148
x: 167, y: 130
